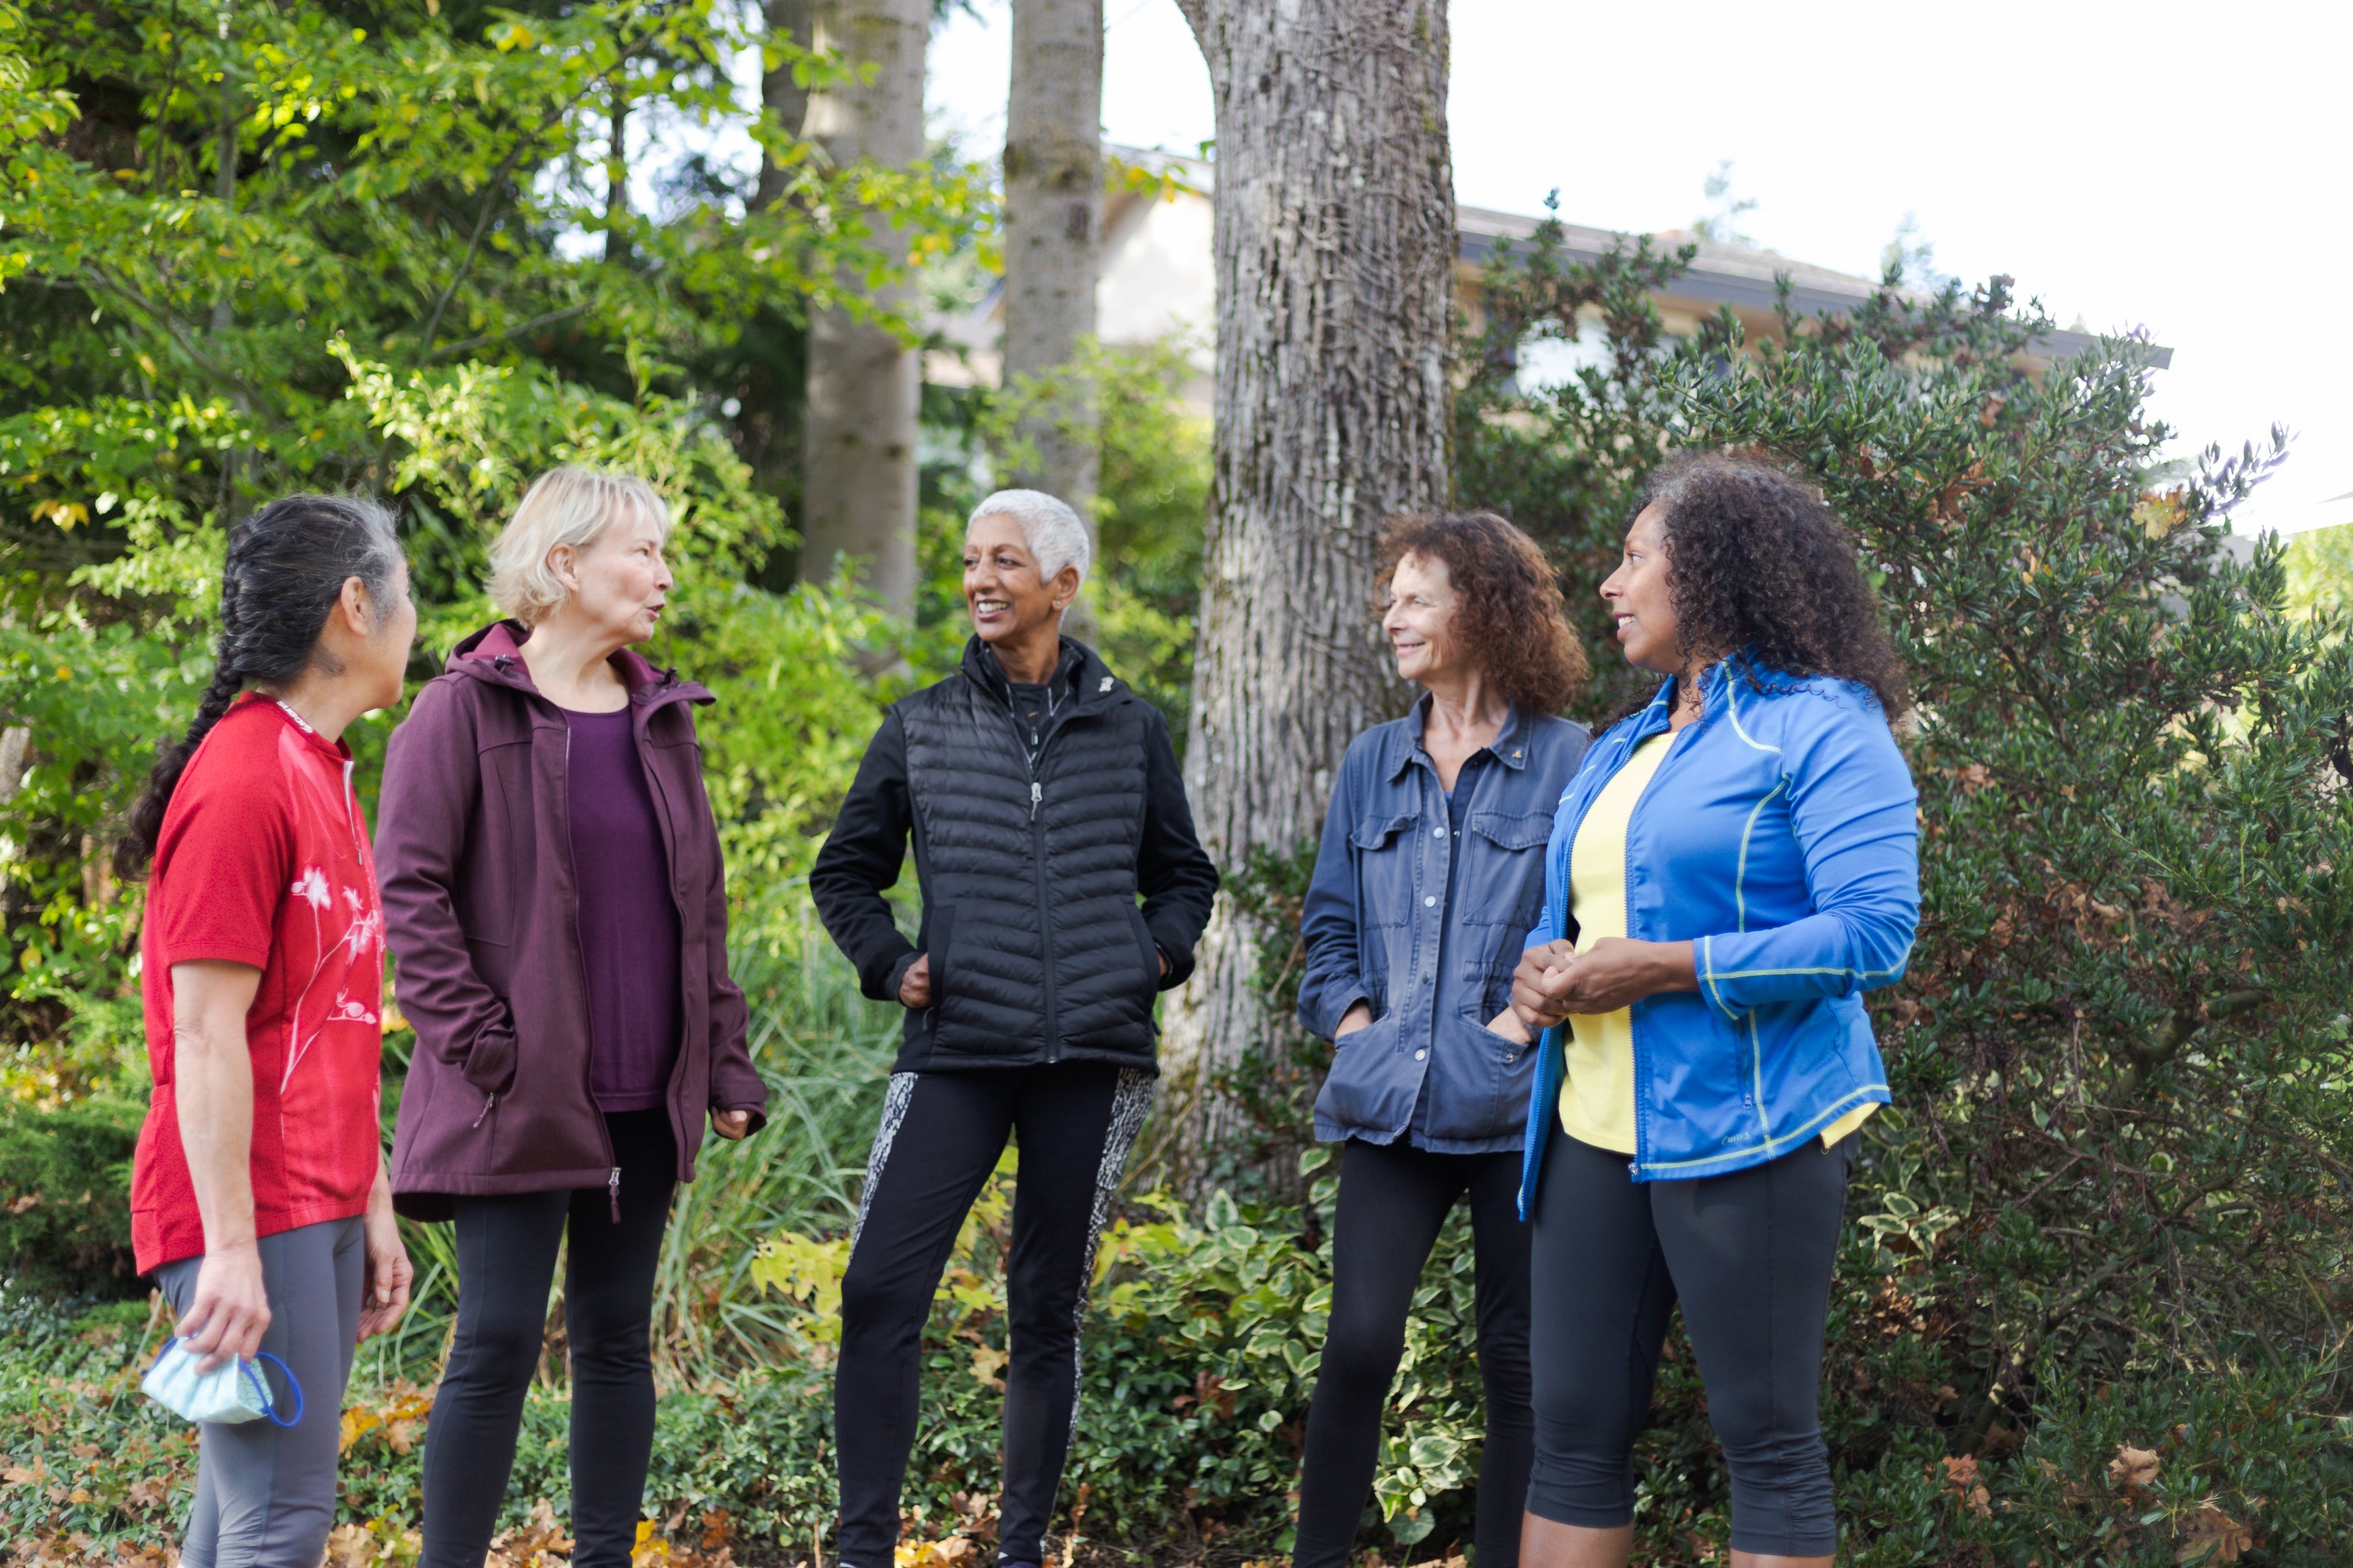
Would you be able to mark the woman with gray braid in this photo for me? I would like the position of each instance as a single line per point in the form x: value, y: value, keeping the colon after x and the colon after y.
x: 258, y: 1198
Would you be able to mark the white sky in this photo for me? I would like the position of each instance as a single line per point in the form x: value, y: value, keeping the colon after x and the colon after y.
x: 2178, y: 165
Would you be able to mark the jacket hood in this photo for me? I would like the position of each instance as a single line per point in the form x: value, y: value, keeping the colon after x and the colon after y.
x: 494, y: 654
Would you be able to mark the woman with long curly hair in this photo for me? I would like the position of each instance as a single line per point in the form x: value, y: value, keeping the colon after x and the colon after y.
x: 1429, y: 876
x: 1734, y: 867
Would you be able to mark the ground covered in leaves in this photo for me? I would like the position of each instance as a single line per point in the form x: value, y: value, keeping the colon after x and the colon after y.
x: 1188, y: 1444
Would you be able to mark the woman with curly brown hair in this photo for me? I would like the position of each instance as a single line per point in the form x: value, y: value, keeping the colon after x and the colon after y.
x: 1429, y: 879
x: 1735, y: 865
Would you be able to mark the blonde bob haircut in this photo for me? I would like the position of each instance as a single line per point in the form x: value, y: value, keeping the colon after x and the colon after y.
x: 570, y: 505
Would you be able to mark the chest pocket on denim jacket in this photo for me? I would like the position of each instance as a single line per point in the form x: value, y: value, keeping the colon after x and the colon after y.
x: 1385, y: 852
x: 1499, y: 897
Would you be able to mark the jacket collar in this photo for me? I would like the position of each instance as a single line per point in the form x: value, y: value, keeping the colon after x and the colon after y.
x: 494, y: 654
x: 1081, y: 674
x: 1510, y: 746
x: 1653, y: 716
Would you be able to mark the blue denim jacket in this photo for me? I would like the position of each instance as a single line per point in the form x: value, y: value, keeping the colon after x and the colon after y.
x: 1379, y: 916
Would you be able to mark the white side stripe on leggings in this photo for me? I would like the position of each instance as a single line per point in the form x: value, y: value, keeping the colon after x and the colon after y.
x: 894, y: 1111
x: 1130, y: 1103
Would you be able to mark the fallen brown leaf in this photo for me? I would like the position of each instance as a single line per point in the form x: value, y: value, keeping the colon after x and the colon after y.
x: 1962, y: 1480
x: 2133, y: 1466
x: 2214, y: 1536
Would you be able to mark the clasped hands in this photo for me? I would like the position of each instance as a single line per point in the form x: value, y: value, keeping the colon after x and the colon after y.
x: 1554, y: 980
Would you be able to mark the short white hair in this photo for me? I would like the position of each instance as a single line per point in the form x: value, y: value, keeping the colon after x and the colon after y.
x: 571, y: 505
x: 1053, y: 532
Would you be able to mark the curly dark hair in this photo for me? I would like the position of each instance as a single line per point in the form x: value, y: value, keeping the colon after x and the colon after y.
x: 1511, y: 619
x: 1760, y: 567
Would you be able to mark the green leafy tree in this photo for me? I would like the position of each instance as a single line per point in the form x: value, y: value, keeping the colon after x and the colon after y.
x: 2320, y: 570
x: 251, y: 248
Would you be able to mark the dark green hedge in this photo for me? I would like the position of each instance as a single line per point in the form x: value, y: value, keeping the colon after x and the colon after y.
x: 65, y: 1199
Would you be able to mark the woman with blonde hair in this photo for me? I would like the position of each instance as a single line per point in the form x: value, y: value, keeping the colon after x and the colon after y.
x: 554, y: 893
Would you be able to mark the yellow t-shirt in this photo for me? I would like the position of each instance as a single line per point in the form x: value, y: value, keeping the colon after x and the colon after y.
x: 1596, y: 1096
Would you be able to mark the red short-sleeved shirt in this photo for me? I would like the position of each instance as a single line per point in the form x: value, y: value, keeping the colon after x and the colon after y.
x: 264, y: 860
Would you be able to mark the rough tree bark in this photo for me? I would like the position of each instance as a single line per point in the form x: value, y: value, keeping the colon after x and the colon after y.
x: 1336, y: 245
x: 858, y: 447
x: 1053, y: 218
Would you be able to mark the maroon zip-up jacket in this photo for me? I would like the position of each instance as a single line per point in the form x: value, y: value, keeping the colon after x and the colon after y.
x: 474, y: 851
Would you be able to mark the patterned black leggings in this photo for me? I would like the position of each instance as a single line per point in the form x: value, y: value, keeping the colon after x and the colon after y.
x: 942, y: 1133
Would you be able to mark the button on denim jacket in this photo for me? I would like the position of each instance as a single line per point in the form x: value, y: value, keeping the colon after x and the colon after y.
x: 1379, y: 927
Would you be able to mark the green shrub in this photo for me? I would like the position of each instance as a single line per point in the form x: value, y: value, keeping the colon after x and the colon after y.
x: 2119, y: 1144
x: 65, y: 1199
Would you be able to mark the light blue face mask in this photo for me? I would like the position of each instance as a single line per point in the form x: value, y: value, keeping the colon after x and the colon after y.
x: 233, y: 1391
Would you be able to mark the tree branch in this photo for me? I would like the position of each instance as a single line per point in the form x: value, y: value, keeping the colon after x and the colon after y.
x: 496, y: 183
x: 2176, y: 1034
x: 105, y: 279
x: 462, y: 344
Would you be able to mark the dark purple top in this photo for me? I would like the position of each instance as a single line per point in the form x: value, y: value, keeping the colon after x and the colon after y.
x: 627, y: 918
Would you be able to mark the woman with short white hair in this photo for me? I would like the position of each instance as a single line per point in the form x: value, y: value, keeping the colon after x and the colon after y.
x: 1043, y: 799
x: 554, y: 892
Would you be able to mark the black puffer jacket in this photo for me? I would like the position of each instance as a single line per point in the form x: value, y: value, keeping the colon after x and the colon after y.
x: 1030, y: 869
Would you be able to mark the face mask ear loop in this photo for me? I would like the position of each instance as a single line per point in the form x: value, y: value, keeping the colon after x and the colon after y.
x: 268, y: 1406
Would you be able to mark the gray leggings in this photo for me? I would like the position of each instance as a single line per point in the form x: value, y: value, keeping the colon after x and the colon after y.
x: 266, y: 1494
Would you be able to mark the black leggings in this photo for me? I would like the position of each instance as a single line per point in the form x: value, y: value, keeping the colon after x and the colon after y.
x: 1749, y: 1256
x: 1393, y: 1199
x: 506, y: 1260
x: 940, y: 1138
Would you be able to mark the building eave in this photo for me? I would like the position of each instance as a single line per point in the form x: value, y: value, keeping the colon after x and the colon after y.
x: 1731, y: 275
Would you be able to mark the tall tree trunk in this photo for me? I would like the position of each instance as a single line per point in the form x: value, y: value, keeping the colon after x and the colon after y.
x: 1335, y: 247
x: 617, y: 172
x: 772, y: 378
x: 784, y: 101
x: 1053, y: 218
x: 225, y: 170
x: 858, y: 496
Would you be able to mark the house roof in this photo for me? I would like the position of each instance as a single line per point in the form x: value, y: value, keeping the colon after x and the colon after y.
x: 1737, y: 275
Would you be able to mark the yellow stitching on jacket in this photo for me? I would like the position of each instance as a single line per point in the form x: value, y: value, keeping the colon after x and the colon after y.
x: 1810, y: 1129
x: 1740, y: 872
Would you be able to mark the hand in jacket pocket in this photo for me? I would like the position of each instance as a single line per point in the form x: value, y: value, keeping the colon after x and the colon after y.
x: 915, y: 985
x: 489, y: 1065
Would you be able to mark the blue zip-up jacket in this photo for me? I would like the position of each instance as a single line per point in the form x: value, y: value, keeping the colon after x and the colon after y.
x: 1781, y: 836
x: 1379, y: 927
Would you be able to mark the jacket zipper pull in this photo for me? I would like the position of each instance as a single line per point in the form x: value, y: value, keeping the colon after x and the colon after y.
x: 487, y: 1102
x: 613, y: 1192
x: 1037, y: 794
